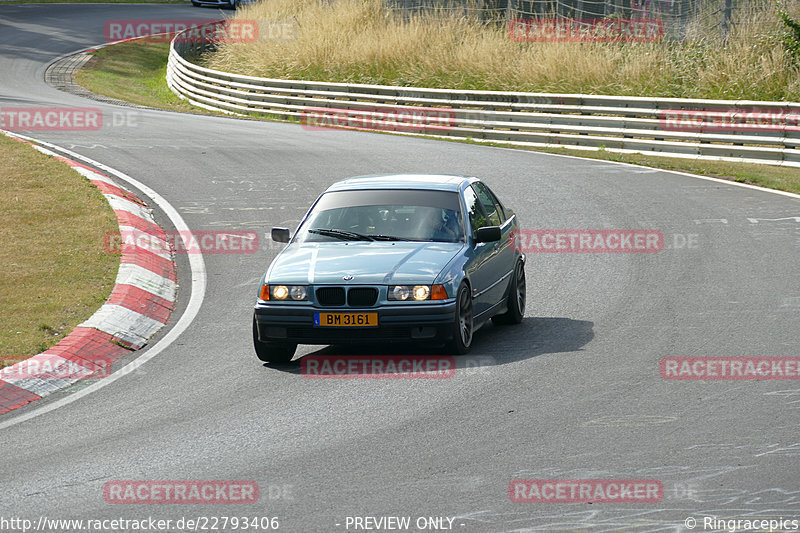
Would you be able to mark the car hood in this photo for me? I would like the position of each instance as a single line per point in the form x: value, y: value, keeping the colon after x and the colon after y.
x: 370, y: 263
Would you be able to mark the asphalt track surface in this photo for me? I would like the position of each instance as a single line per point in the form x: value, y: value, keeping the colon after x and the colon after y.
x: 574, y: 392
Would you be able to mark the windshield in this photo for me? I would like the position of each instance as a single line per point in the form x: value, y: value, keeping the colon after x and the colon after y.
x: 384, y: 215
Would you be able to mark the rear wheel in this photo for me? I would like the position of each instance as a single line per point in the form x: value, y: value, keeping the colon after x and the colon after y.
x: 272, y: 352
x: 516, y: 298
x: 463, y: 326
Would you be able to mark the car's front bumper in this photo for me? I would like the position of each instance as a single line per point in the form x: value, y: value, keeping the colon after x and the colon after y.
x: 406, y: 323
x: 213, y: 3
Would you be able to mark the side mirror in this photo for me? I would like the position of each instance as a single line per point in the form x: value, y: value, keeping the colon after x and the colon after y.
x: 488, y: 234
x: 281, y: 234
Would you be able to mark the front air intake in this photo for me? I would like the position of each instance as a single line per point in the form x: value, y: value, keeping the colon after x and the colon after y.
x: 330, y: 295
x: 362, y: 296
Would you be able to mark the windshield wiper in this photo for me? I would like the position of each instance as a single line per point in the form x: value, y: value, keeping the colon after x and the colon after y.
x: 388, y: 238
x: 341, y: 234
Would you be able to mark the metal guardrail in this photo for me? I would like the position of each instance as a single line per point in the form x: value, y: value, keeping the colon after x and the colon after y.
x: 613, y: 123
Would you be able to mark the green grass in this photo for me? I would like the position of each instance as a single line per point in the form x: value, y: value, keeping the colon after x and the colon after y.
x: 56, y: 272
x: 135, y: 71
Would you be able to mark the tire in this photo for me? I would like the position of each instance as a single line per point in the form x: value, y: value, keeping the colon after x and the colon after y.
x: 464, y: 324
x: 272, y: 352
x: 515, y: 299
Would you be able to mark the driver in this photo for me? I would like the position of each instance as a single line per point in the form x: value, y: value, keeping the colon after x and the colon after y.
x: 447, y: 228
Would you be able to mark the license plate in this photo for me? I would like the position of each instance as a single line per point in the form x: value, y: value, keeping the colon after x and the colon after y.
x: 346, y: 320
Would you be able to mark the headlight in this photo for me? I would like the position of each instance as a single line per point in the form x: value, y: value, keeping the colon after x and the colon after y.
x: 297, y: 292
x: 284, y: 292
x: 280, y: 292
x: 399, y: 292
x: 421, y: 292
x: 417, y: 293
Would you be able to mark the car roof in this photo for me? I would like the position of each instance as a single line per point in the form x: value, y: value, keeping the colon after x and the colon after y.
x: 436, y: 182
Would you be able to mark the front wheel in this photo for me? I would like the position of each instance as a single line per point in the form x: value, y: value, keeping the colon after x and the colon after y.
x: 463, y: 326
x: 516, y: 298
x: 272, y: 352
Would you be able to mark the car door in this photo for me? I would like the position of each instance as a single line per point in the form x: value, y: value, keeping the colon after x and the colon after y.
x: 503, y: 260
x: 485, y: 257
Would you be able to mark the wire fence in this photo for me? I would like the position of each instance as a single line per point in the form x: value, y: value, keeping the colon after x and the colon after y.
x: 676, y: 19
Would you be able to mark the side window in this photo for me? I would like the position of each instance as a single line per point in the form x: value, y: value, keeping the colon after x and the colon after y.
x: 494, y: 212
x: 498, y: 203
x: 477, y: 218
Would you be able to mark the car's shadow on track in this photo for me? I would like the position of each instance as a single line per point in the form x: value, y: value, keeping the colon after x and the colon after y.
x: 492, y: 345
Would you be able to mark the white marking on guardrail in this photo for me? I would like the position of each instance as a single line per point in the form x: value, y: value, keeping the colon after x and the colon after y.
x: 577, y: 121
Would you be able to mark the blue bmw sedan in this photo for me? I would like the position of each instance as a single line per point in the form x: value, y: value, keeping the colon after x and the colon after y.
x: 395, y: 258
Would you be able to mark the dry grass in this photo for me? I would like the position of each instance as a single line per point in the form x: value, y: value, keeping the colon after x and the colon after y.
x: 361, y: 41
x: 143, y: 72
x: 55, y: 270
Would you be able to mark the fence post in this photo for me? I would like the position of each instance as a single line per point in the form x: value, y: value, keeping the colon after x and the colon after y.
x: 726, y: 18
